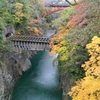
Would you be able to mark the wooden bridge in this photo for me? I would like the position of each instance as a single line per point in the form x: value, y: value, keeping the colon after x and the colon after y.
x: 30, y: 43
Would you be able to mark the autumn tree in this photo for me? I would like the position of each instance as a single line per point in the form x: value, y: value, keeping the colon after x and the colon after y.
x: 64, y: 17
x: 82, y: 26
x: 76, y: 34
x: 88, y: 87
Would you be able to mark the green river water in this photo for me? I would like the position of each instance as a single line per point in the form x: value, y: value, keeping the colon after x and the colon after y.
x: 41, y: 82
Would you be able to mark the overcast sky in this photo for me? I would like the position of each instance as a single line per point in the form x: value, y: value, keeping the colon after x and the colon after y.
x: 56, y: 2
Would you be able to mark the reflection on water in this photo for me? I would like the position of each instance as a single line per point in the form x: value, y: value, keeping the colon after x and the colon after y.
x: 41, y: 81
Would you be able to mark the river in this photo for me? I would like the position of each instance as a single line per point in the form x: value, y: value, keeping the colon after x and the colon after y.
x: 41, y: 82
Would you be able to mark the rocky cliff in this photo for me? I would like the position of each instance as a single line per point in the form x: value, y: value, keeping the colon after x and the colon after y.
x: 66, y: 84
x: 14, y: 66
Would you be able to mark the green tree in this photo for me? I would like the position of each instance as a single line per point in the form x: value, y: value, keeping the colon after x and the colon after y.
x: 64, y: 17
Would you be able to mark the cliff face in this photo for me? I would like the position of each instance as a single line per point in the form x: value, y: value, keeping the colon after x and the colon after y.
x: 14, y: 66
x: 66, y: 84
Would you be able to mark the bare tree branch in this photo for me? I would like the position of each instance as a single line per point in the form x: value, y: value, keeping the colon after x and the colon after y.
x: 72, y: 3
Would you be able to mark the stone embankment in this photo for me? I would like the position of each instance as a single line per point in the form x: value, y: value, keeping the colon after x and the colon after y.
x: 14, y: 66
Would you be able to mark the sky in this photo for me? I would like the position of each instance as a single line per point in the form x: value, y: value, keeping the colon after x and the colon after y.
x: 57, y: 2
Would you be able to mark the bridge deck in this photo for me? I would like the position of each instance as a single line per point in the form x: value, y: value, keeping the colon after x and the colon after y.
x: 30, y: 43
x: 35, y: 39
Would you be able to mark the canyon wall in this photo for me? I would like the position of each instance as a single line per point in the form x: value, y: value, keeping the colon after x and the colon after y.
x: 14, y: 66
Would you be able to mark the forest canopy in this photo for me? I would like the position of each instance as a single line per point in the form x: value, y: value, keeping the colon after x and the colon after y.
x: 72, y: 42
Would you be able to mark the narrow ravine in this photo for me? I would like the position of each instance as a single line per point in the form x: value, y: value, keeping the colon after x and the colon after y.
x: 41, y: 82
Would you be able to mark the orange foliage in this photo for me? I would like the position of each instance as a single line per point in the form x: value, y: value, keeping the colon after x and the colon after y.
x: 80, y: 18
x: 58, y: 40
x: 77, y: 19
x: 85, y: 21
x: 80, y: 6
x: 34, y: 27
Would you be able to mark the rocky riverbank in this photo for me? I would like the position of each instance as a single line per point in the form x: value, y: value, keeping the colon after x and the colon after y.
x: 14, y: 66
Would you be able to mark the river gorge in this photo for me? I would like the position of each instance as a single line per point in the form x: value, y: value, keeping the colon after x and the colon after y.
x: 41, y: 81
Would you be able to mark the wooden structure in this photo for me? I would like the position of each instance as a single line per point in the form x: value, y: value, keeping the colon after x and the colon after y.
x: 30, y: 43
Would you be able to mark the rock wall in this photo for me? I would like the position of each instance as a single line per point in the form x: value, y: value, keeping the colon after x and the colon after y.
x: 66, y: 84
x: 14, y: 66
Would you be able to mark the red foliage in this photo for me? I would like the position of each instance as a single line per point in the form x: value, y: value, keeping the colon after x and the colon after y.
x: 80, y: 18
x: 85, y: 21
x: 77, y: 19
x: 80, y: 6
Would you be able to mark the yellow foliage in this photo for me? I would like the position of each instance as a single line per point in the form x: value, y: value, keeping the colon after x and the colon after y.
x: 96, y: 40
x: 86, y: 89
x: 59, y: 40
x: 89, y: 87
x: 19, y: 11
x: 18, y: 32
x: 19, y: 5
x: 35, y: 30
